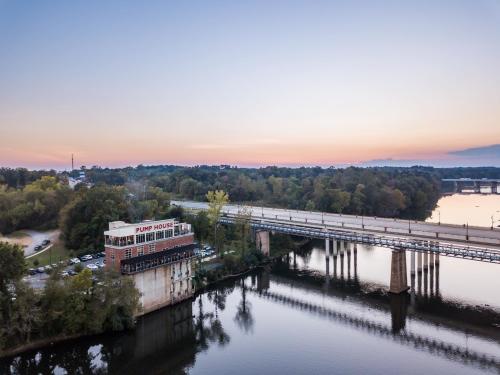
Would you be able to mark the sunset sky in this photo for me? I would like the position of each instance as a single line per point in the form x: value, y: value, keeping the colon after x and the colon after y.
x: 246, y: 82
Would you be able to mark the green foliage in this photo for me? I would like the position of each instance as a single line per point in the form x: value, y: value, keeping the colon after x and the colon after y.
x: 77, y: 305
x: 87, y: 216
x: 216, y: 201
x: 36, y: 205
x: 401, y: 192
x: 12, y: 265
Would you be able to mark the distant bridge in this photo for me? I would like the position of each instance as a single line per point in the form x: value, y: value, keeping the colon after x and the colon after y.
x: 473, y: 184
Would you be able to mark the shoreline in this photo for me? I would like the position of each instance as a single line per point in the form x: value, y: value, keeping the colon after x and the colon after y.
x: 43, y: 343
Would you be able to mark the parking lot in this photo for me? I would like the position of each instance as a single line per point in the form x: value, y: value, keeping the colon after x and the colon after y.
x: 38, y: 278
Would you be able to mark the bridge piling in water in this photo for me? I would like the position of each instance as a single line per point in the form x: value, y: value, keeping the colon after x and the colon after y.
x: 412, y: 270
x: 399, y: 282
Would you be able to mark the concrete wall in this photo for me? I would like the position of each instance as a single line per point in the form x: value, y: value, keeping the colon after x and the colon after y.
x: 163, y: 286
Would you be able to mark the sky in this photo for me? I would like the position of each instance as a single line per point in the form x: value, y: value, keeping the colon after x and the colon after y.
x: 246, y: 82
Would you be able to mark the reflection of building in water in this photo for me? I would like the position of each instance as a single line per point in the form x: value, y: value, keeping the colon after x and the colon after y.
x: 162, y: 340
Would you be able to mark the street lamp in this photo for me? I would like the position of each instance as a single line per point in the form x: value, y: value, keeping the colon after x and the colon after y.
x: 493, y: 221
x: 439, y: 220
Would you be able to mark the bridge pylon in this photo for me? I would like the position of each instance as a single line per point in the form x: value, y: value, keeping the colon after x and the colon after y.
x: 399, y: 282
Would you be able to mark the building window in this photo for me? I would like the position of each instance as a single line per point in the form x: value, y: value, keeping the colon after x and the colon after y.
x: 150, y: 237
x: 176, y: 230
x: 140, y: 238
x: 128, y: 253
x: 160, y: 235
x: 140, y: 251
x: 152, y: 248
x: 168, y: 233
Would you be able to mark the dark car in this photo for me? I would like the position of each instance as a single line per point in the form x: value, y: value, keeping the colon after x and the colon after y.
x: 72, y: 272
x: 38, y: 248
x: 32, y: 271
x: 45, y: 242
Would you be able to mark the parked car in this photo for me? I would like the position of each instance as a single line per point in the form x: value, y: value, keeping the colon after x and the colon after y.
x: 85, y: 258
x: 64, y: 273
x: 40, y: 270
x: 74, y: 261
x: 47, y: 268
x: 100, y: 264
x: 72, y: 272
x: 32, y: 271
x: 45, y: 242
x: 92, y: 267
x: 102, y: 254
x: 38, y: 248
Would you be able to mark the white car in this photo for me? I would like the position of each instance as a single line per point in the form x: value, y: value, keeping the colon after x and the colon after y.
x: 92, y: 267
x: 75, y: 261
x: 86, y: 257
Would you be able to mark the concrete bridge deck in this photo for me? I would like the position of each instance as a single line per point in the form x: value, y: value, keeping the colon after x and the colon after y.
x: 461, y: 234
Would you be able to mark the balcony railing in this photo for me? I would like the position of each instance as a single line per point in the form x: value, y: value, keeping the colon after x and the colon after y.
x: 157, y: 259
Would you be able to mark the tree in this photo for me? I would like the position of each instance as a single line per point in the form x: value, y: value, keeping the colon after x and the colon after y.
x: 84, y: 220
x: 216, y: 201
x: 242, y: 228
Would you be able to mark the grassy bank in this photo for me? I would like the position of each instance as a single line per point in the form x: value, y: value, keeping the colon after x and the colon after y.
x: 57, y: 252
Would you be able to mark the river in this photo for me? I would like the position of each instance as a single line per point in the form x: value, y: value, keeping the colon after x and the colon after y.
x: 298, y: 317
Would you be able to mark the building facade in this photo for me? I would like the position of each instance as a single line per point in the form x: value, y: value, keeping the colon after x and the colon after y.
x: 158, y: 255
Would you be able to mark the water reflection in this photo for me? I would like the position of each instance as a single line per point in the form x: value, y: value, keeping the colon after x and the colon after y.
x: 224, y: 318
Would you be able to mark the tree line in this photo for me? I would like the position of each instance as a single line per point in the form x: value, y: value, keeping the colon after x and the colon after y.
x: 42, y: 199
x: 79, y: 305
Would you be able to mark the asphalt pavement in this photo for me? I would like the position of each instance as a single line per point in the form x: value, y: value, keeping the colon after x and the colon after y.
x: 398, y: 227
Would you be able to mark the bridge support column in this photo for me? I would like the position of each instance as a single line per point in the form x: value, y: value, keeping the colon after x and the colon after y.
x: 355, y: 261
x: 262, y: 241
x: 412, y: 270
x: 327, y: 255
x: 348, y: 260
x: 426, y: 260
x: 342, y: 244
x: 399, y: 282
x: 419, y: 267
x: 477, y: 187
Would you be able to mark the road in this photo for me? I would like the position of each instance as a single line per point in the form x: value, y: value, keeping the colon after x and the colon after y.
x: 37, y: 238
x: 418, y: 229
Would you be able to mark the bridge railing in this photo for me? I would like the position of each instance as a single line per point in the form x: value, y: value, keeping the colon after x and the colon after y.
x: 447, y: 249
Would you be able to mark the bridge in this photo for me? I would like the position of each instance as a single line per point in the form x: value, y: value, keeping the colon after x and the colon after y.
x: 473, y: 185
x: 427, y: 240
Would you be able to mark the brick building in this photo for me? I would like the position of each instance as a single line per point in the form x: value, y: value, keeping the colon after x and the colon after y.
x: 158, y: 255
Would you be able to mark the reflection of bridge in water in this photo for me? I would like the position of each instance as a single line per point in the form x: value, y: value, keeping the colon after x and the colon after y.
x: 420, y: 342
x: 424, y: 271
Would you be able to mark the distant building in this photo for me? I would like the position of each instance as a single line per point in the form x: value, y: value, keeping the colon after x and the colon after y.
x: 158, y: 255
